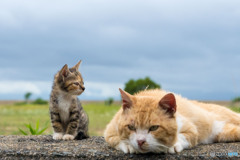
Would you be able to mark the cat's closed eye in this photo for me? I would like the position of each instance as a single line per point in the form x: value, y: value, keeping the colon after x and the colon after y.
x: 153, y: 128
x: 131, y: 128
x: 76, y: 83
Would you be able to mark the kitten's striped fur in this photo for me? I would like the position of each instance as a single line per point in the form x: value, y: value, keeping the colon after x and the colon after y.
x: 69, y: 120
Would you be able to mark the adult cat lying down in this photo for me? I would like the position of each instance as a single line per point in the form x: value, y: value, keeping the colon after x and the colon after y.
x: 157, y: 121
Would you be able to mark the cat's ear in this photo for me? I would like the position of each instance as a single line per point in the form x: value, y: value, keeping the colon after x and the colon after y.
x: 77, y: 65
x: 168, y: 103
x: 64, y: 71
x: 126, y: 99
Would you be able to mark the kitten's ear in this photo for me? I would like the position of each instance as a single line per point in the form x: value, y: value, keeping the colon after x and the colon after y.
x: 168, y: 103
x: 126, y: 99
x: 65, y: 71
x: 77, y: 65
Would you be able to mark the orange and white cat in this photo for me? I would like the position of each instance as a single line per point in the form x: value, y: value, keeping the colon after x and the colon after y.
x: 157, y: 121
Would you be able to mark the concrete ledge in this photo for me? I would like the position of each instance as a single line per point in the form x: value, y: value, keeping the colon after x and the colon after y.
x: 44, y: 147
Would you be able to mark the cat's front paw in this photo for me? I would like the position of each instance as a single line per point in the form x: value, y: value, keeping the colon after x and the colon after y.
x: 68, y: 137
x: 57, y: 136
x: 181, y: 144
x: 176, y: 148
x: 126, y: 148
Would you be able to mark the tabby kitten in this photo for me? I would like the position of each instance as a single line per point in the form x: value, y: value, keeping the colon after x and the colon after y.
x: 69, y: 120
x: 157, y: 121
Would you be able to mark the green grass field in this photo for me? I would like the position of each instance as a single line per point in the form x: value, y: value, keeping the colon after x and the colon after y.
x: 13, y: 117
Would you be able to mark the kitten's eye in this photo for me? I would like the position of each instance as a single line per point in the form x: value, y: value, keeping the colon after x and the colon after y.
x: 153, y: 128
x: 131, y: 127
x: 76, y: 83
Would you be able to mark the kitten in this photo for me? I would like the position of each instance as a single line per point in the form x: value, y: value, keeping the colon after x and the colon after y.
x: 157, y: 121
x: 69, y: 120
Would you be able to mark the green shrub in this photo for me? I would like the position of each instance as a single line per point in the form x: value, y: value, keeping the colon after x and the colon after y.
x: 20, y: 103
x: 134, y: 86
x: 235, y: 100
x: 40, y: 101
x: 109, y: 101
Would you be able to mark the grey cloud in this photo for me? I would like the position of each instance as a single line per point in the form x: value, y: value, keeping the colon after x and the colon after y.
x: 179, y: 44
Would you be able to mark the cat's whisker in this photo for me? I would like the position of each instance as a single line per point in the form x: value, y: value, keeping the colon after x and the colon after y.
x: 164, y: 146
x: 146, y: 87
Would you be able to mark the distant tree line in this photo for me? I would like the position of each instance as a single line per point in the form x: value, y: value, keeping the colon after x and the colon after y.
x: 235, y: 100
x: 27, y: 100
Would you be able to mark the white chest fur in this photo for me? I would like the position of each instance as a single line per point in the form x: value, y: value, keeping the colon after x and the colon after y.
x: 217, y: 128
x: 64, y: 105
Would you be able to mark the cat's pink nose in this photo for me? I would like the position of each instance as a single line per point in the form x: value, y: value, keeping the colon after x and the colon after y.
x: 141, y: 142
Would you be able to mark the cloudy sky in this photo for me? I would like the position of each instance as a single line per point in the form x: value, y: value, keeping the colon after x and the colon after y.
x: 189, y: 47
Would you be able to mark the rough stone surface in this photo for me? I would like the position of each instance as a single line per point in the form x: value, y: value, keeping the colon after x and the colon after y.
x: 44, y: 147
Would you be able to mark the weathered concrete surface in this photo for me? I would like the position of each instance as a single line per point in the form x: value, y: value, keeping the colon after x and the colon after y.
x: 44, y: 147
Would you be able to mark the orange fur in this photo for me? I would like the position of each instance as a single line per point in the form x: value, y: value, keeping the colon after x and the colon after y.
x: 192, y: 123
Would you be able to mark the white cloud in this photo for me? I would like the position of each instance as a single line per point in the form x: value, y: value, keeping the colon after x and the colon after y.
x: 94, y: 90
x: 102, y: 90
x: 21, y: 87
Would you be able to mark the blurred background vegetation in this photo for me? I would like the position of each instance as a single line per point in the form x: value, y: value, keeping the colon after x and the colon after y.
x: 15, y: 117
x: 134, y: 86
x: 32, y: 116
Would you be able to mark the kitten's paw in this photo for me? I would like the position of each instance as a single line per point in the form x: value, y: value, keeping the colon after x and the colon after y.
x: 57, y: 136
x: 176, y: 148
x: 126, y: 148
x: 68, y: 137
